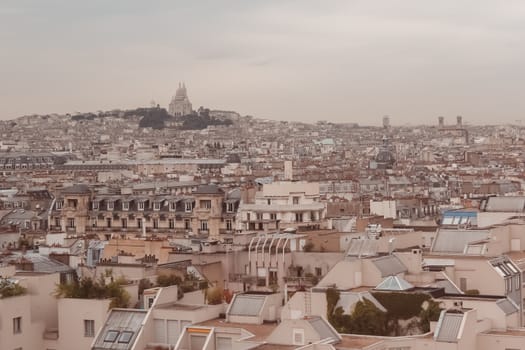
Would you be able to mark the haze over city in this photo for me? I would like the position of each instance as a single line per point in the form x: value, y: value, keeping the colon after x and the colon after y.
x: 341, y: 61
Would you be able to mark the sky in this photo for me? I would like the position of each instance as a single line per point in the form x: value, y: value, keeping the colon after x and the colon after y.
x: 339, y: 61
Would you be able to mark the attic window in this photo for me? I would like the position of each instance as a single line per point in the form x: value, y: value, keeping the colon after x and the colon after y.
x: 298, y: 336
x: 111, y: 336
x: 125, y: 337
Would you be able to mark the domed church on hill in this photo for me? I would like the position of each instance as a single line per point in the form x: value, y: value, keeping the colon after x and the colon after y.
x: 180, y: 103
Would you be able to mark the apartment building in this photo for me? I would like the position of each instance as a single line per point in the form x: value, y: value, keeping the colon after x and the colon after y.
x: 206, y: 212
x: 282, y: 205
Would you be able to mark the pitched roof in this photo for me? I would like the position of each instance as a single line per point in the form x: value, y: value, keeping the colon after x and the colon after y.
x: 507, y: 306
x: 208, y: 189
x: 247, y: 305
x: 448, y: 327
x: 362, y: 247
x: 394, y: 283
x: 457, y: 241
x: 322, y: 328
x: 120, y: 329
x: 506, y: 204
x: 76, y: 189
x: 389, y: 265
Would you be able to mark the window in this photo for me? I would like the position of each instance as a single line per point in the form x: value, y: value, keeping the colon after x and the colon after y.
x: 111, y: 336
x: 71, y: 203
x: 187, y: 224
x: 94, y: 205
x: 17, y: 325
x: 299, y: 217
x: 59, y: 205
x: 89, y: 328
x: 139, y: 223
x: 229, y: 224
x: 204, y: 225
x: 188, y: 207
x: 125, y: 206
x: 156, y: 205
x: 125, y: 337
x: 171, y: 223
x: 141, y: 205
x: 57, y: 222
x: 205, y: 204
x: 173, y: 206
x: 71, y: 222
x: 259, y: 216
x: 269, y: 201
x: 230, y: 207
x: 108, y: 222
x: 273, y: 216
x: 124, y: 222
x: 155, y: 223
x: 298, y: 336
x: 295, y: 200
x: 111, y: 205
x: 318, y: 271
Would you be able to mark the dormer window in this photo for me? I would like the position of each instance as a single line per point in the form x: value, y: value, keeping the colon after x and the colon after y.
x: 59, y: 204
x: 156, y: 205
x: 229, y: 207
x: 125, y: 206
x: 188, y: 207
x: 111, y: 205
x: 205, y: 204
x: 94, y: 205
x: 173, y: 206
x: 141, y: 205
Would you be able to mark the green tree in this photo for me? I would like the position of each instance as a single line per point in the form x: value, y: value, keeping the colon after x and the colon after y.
x: 87, y: 288
x: 430, y: 312
x: 368, y: 319
x: 10, y: 289
x: 214, y: 295
x: 332, y: 297
x: 168, y: 280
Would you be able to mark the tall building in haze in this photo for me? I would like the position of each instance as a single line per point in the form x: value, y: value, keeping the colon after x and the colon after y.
x: 180, y: 103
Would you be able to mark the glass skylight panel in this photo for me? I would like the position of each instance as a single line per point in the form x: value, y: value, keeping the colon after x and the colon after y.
x: 125, y: 337
x: 111, y: 336
x: 511, y: 267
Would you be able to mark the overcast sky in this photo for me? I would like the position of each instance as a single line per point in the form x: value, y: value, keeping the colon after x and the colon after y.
x: 341, y: 61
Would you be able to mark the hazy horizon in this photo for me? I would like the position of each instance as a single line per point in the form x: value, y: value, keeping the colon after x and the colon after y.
x: 339, y: 61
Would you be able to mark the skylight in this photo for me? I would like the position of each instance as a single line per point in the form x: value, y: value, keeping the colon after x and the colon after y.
x: 125, y: 337
x: 111, y: 336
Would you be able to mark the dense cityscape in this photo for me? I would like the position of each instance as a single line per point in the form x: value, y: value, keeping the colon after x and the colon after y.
x: 177, y: 228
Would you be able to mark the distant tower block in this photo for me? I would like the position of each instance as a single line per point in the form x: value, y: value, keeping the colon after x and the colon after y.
x: 441, y: 122
x: 386, y: 122
x: 288, y: 171
x: 459, y: 120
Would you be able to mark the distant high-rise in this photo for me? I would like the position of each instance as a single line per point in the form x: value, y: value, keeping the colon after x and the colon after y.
x: 386, y: 122
x: 180, y: 103
x: 459, y: 121
x: 441, y: 121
